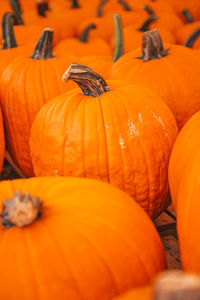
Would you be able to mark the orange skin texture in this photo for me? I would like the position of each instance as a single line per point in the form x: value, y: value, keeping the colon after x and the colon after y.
x: 170, y: 22
x: 91, y: 242
x: 100, y: 64
x: 74, y: 47
x: 26, y: 34
x: 143, y: 293
x: 184, y: 32
x: 2, y: 141
x: 21, y: 101
x: 184, y: 155
x: 133, y: 38
x: 109, y: 138
x: 175, y: 78
x: 192, y: 5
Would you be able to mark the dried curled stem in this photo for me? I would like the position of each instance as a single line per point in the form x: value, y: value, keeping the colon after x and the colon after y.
x: 21, y: 210
x: 90, y: 82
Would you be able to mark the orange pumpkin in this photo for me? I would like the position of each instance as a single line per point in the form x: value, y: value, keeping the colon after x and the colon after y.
x: 83, y: 47
x: 185, y: 188
x: 184, y: 155
x: 10, y: 49
x: 163, y: 71
x: 2, y: 141
x: 86, y: 240
x: 192, y: 39
x: 104, y: 134
x: 26, y: 84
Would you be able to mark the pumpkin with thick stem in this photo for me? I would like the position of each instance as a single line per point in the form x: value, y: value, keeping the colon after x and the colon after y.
x: 183, y: 34
x: 103, y: 133
x: 102, y: 64
x: 185, y: 189
x: 173, y: 72
x: 26, y: 84
x: 82, y: 239
x: 168, y: 285
x: 133, y: 34
x: 83, y: 47
x: 10, y: 48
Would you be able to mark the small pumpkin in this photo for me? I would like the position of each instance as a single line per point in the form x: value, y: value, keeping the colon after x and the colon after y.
x: 83, y: 47
x: 103, y: 133
x: 162, y: 70
x: 84, y: 239
x: 26, y: 84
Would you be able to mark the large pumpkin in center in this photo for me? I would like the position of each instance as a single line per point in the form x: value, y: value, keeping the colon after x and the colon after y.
x: 116, y: 132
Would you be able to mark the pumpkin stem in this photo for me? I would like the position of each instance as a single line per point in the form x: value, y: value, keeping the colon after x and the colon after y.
x: 21, y: 210
x: 145, y: 26
x: 84, y: 35
x: 90, y: 82
x: 17, y: 10
x: 100, y: 8
x: 148, y: 9
x: 176, y: 285
x: 74, y: 4
x: 125, y: 5
x: 43, y: 49
x: 8, y: 37
x: 192, y: 38
x: 152, y: 46
x: 119, y: 43
x: 42, y: 7
x: 188, y: 16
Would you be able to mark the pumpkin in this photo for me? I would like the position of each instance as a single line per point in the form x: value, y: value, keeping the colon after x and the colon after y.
x: 163, y: 71
x: 83, y: 47
x: 192, y: 5
x: 184, y: 154
x: 169, y: 285
x: 2, y: 141
x: 192, y: 39
x: 26, y: 84
x: 102, y: 64
x: 133, y: 34
x: 185, y: 31
x: 10, y: 49
x: 81, y: 239
x: 104, y: 134
x: 185, y: 188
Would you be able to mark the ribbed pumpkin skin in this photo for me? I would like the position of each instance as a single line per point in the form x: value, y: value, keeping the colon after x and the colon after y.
x: 188, y: 221
x: 2, y: 141
x: 26, y: 85
x: 175, y: 78
x: 124, y: 137
x: 143, y: 293
x: 91, y: 242
x: 184, y: 154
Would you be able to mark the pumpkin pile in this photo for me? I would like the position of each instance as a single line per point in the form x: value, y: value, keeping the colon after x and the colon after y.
x: 93, y: 95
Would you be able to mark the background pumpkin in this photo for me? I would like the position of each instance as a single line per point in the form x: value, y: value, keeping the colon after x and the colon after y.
x: 104, y: 134
x: 2, y: 141
x: 89, y: 243
x: 26, y: 84
x: 162, y: 70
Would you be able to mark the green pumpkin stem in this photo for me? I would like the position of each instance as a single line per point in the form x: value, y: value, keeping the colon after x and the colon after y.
x: 187, y: 16
x: 43, y: 49
x: 74, y: 4
x: 16, y: 10
x: 192, y: 38
x: 152, y: 46
x: 100, y: 8
x: 119, y: 42
x: 84, y: 35
x: 148, y: 9
x: 8, y: 37
x: 21, y: 210
x: 42, y: 7
x: 125, y: 5
x: 90, y: 82
x: 176, y: 285
x: 145, y: 26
